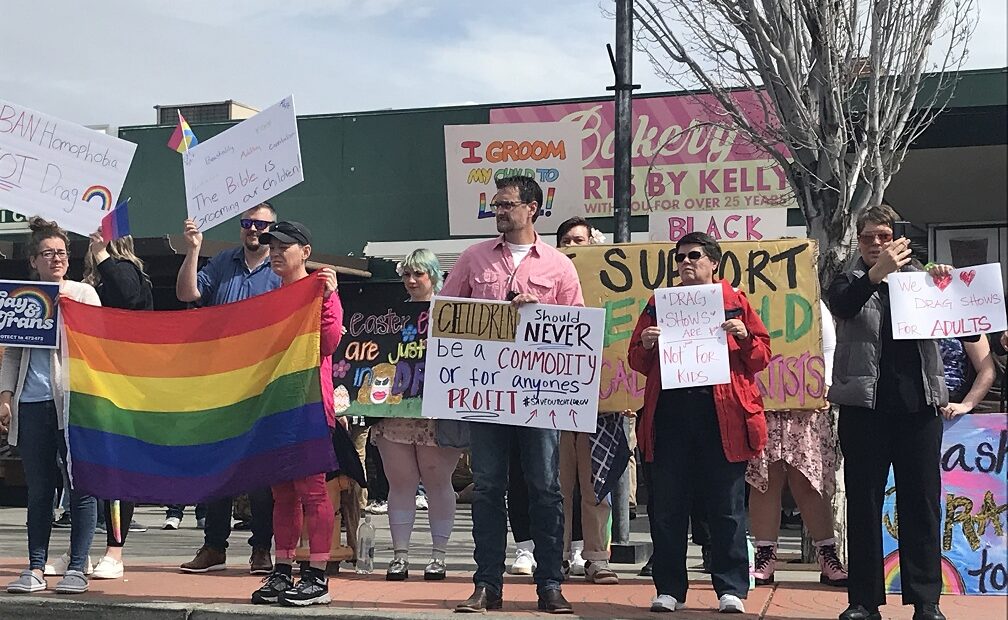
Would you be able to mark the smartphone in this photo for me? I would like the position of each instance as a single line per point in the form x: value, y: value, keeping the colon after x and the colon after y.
x: 900, y: 229
x: 732, y: 313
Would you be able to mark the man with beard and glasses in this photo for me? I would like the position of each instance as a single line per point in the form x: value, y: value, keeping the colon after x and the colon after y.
x: 232, y: 275
x: 521, y: 268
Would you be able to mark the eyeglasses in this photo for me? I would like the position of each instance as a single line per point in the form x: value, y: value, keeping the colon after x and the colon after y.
x: 51, y: 254
x: 260, y: 225
x: 504, y: 206
x: 883, y: 237
x: 693, y: 255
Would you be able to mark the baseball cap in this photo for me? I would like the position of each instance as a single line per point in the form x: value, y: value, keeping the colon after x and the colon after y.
x: 287, y: 232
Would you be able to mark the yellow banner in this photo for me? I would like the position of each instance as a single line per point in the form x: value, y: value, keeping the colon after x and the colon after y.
x: 780, y: 279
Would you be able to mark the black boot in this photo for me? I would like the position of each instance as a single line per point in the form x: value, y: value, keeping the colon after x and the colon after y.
x: 860, y: 612
x: 927, y: 611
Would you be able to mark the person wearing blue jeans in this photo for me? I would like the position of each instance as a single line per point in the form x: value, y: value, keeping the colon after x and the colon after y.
x: 31, y: 410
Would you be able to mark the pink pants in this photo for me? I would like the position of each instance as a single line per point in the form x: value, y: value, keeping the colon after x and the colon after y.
x: 307, y: 496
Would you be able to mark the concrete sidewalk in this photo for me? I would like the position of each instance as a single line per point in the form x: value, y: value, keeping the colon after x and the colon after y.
x: 154, y: 588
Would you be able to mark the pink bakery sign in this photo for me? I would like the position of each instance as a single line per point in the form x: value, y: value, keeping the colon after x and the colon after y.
x: 684, y: 156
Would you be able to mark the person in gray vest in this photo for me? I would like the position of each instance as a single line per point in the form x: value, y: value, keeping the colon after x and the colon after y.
x: 889, y: 392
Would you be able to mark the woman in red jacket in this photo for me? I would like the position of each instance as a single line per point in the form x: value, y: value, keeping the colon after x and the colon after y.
x: 698, y: 439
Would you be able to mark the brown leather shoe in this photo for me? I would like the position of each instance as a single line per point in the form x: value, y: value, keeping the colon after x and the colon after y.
x: 206, y: 560
x: 260, y: 563
x: 480, y: 601
x: 554, y: 602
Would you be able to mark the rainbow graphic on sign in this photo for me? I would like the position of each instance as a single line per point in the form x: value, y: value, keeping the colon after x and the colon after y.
x: 103, y: 194
x: 952, y: 581
x: 35, y: 296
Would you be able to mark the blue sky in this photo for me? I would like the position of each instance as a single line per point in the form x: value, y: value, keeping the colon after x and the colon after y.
x: 111, y: 61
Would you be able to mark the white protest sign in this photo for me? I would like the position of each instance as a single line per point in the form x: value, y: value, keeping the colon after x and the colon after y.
x: 476, y: 155
x: 59, y: 170
x: 239, y: 168
x: 538, y: 366
x: 969, y: 302
x: 723, y: 225
x: 693, y: 348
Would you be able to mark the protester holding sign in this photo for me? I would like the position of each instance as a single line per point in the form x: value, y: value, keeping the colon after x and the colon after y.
x: 800, y: 453
x: 32, y: 410
x: 231, y: 275
x: 889, y: 391
x: 698, y: 439
x: 305, y: 500
x: 117, y: 274
x: 517, y: 266
x: 416, y: 450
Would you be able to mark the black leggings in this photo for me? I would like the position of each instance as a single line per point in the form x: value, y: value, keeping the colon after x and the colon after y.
x: 125, y: 518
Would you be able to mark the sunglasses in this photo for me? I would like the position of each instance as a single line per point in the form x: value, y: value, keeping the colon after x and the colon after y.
x: 693, y: 255
x: 883, y: 237
x: 260, y: 225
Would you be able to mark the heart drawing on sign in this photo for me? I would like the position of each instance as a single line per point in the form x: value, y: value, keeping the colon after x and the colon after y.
x: 942, y: 281
x: 967, y: 276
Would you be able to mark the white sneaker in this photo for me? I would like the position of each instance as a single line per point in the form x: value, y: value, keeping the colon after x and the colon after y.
x: 171, y: 523
x: 421, y: 502
x: 524, y: 563
x: 666, y: 602
x: 730, y: 604
x: 577, y: 565
x: 60, y: 564
x: 377, y: 508
x: 108, y: 568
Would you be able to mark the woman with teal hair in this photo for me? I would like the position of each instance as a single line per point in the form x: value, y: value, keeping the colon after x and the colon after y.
x: 416, y: 450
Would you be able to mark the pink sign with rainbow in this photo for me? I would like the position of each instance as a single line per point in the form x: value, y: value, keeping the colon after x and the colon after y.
x: 974, y: 509
x: 685, y: 157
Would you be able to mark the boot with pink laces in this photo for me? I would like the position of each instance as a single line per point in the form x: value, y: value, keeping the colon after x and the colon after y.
x: 832, y: 571
x: 765, y: 562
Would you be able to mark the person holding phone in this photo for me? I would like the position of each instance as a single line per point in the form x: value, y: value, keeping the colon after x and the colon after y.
x: 890, y: 393
x: 699, y: 439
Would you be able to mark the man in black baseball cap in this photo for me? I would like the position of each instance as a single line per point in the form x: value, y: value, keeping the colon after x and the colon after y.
x: 287, y: 232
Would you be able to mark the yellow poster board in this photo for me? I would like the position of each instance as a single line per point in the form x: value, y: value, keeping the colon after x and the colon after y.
x: 782, y: 284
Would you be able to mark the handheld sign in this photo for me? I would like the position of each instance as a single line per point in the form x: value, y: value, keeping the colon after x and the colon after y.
x: 969, y: 302
x: 537, y: 366
x: 58, y: 170
x: 693, y: 348
x: 29, y: 314
x: 237, y: 169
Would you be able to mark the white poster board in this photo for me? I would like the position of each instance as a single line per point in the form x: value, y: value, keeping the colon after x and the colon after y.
x: 537, y: 367
x: 693, y: 348
x: 58, y: 170
x: 239, y: 168
x: 476, y: 155
x: 723, y: 225
x: 969, y: 302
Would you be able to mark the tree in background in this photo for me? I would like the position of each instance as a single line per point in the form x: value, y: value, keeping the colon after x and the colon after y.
x: 842, y: 84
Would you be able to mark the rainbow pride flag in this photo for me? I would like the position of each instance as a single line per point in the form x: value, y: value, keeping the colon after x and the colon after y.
x: 182, y: 407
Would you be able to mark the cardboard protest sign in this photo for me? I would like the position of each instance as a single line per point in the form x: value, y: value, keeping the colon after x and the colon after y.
x: 683, y: 156
x: 969, y: 302
x: 58, y: 170
x: 29, y: 314
x: 779, y: 278
x: 734, y: 225
x: 537, y: 366
x: 476, y: 155
x: 239, y: 168
x: 693, y: 348
x: 974, y: 507
x: 378, y: 369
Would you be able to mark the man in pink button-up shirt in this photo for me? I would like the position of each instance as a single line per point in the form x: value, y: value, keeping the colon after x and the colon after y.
x: 518, y: 267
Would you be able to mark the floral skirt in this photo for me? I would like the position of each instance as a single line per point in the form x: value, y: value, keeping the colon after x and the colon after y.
x: 417, y: 431
x: 804, y: 440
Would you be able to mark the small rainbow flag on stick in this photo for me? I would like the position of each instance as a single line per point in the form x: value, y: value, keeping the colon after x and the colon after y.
x: 183, y: 138
x: 186, y: 406
x: 115, y: 224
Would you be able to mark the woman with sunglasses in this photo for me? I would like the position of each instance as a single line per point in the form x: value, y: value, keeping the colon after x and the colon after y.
x: 117, y: 273
x: 699, y: 439
x: 890, y: 394
x: 31, y: 409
